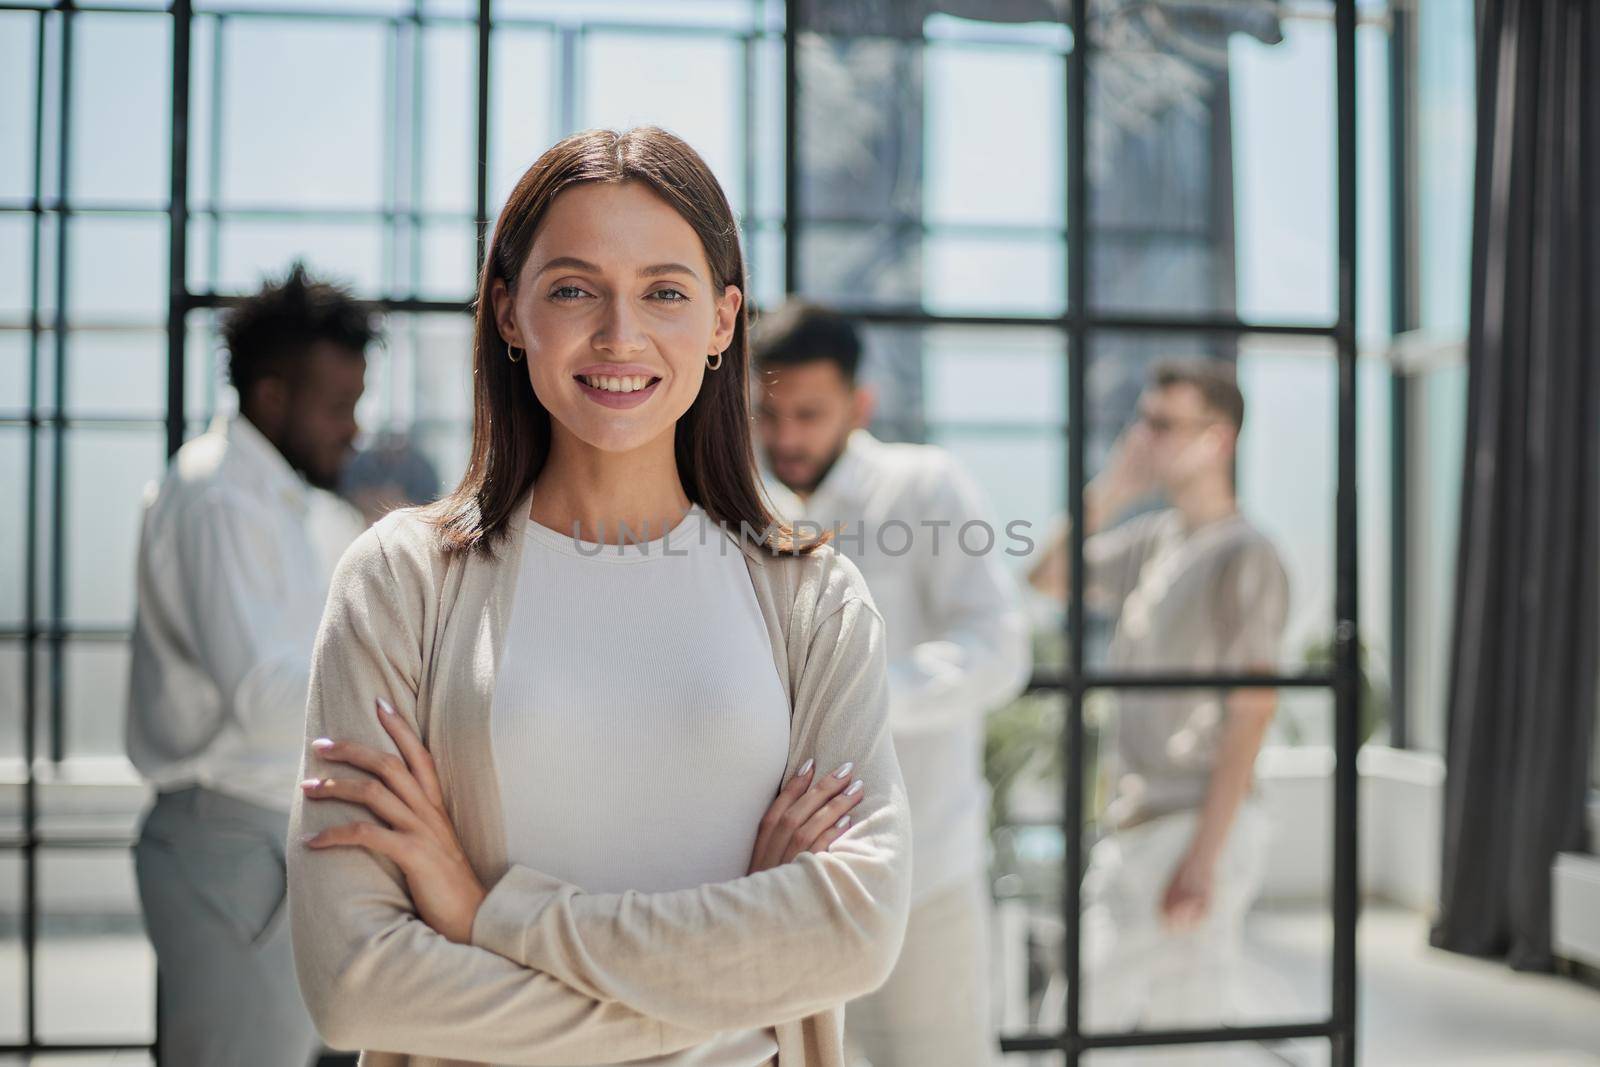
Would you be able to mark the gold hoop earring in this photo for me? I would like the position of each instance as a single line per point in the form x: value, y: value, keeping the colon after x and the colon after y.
x: 511, y: 351
x: 713, y: 366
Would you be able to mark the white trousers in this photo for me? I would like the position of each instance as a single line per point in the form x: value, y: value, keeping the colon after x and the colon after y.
x: 934, y: 1011
x: 1141, y: 975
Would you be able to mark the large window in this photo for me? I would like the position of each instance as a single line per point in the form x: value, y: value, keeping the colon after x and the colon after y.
x: 1021, y: 225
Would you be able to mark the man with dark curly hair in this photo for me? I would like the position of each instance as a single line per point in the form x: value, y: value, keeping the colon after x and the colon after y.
x: 232, y: 577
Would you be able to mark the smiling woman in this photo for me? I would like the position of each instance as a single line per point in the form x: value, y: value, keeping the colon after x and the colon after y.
x: 572, y: 796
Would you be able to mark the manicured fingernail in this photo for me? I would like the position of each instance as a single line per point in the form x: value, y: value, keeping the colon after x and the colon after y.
x: 322, y: 744
x: 855, y: 787
x: 844, y: 772
x: 844, y: 820
x: 805, y: 768
x: 385, y: 707
x: 310, y: 783
x: 305, y: 839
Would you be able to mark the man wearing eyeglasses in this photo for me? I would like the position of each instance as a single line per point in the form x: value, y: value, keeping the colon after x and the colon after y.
x: 1194, y: 588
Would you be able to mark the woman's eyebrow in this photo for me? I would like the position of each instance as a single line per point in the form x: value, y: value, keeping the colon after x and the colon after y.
x: 574, y: 263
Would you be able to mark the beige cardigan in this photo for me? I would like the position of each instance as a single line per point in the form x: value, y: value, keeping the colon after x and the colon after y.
x: 555, y: 975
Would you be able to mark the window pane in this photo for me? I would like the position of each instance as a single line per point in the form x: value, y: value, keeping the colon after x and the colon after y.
x: 202, y: 56
x: 13, y: 527
x: 1373, y: 240
x: 1211, y: 167
x: 16, y: 265
x: 523, y: 82
x: 1375, y: 453
x: 1446, y: 102
x: 921, y: 184
x: 1287, y: 467
x: 49, y: 149
x: 861, y: 264
x: 96, y: 697
x: 45, y: 474
x: 13, y: 698
x: 19, y: 35
x: 117, y: 269
x: 989, y: 375
x: 350, y: 252
x: 977, y: 275
x: 988, y: 160
x: 106, y: 473
x: 723, y: 14
x: 767, y: 127
x: 1283, y: 158
x: 122, y: 108
x: 370, y: 7
x: 282, y: 143
x: 448, y: 261
x: 117, y: 372
x: 449, y: 100
x: 423, y: 372
x: 45, y: 279
x: 622, y: 76
x: 860, y: 169
x: 763, y: 264
x: 1021, y: 473
x: 420, y: 386
x: 13, y: 373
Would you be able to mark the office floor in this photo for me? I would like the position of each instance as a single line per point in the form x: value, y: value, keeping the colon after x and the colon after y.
x: 1420, y: 1007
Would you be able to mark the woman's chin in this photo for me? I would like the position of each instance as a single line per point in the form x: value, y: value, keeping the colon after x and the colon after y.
x: 618, y: 432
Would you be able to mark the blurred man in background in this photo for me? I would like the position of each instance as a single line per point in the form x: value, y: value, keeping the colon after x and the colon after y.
x: 234, y: 562
x: 1195, y: 587
x: 958, y: 646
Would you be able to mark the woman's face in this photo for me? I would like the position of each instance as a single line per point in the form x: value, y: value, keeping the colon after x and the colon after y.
x: 617, y: 312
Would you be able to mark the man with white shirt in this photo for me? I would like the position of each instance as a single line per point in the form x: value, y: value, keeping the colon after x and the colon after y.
x: 236, y: 549
x: 914, y: 522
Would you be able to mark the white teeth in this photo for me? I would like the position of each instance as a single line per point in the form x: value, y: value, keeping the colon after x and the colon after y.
x: 629, y: 384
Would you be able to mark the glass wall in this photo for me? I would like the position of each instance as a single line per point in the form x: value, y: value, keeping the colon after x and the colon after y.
x: 1433, y: 350
x: 931, y: 204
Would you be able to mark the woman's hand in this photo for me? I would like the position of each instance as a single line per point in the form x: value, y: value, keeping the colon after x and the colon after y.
x: 805, y: 816
x: 415, y: 832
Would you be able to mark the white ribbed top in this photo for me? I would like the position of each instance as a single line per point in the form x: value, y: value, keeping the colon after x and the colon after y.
x: 639, y: 726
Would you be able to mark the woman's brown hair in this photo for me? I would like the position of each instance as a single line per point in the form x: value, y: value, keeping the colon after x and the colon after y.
x: 511, y: 429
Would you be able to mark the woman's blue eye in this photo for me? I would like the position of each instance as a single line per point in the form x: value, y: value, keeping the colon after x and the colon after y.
x: 680, y: 297
x: 566, y: 289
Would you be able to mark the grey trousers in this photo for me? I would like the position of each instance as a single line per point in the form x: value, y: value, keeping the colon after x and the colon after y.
x: 213, y: 887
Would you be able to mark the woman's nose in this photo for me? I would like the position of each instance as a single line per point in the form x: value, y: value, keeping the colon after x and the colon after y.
x: 621, y: 330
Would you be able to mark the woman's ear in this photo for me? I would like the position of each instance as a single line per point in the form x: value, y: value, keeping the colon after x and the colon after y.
x: 728, y: 305
x: 503, y: 304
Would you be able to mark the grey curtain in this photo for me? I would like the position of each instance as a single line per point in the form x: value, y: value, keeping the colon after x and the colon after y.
x: 1523, y: 665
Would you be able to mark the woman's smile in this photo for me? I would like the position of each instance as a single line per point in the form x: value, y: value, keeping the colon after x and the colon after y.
x: 614, y: 389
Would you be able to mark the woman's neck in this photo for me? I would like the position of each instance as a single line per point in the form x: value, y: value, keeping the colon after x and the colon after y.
x: 592, y: 494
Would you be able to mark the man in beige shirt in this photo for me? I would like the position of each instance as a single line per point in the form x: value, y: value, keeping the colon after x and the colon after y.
x: 1194, y: 587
